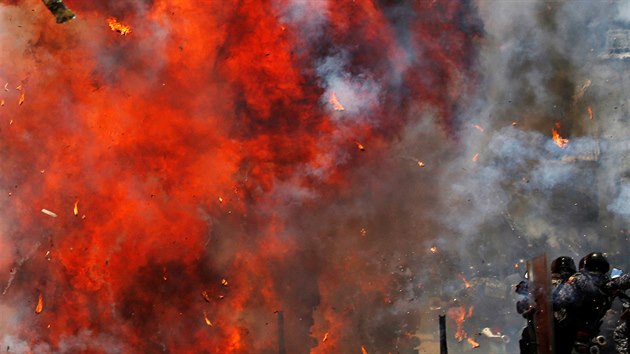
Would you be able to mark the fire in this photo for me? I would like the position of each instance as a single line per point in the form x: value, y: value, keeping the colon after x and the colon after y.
x: 21, y: 101
x: 557, y: 139
x: 325, y: 337
x: 337, y: 106
x: 363, y: 351
x: 458, y: 314
x: 118, y: 27
x: 590, y: 112
x: 473, y: 343
x: 360, y: 146
x: 421, y: 164
x: 224, y: 282
x: 40, y: 304
x: 75, y: 210
x: 433, y: 249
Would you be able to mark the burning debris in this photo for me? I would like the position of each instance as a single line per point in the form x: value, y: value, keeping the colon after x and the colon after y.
x: 21, y: 100
x: 40, y: 304
x: 61, y: 12
x: 116, y: 26
x: 75, y: 210
x: 205, y: 318
x: 335, y: 102
x: 557, y: 139
x: 360, y: 146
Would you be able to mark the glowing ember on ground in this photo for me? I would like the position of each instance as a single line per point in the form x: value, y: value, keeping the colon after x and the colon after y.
x: 118, y: 27
x: 557, y: 139
x: 472, y: 343
x: 40, y: 304
x: 49, y: 213
x: 335, y: 102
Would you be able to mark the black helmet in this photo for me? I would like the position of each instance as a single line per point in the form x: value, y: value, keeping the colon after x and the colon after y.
x: 596, y: 262
x: 563, y: 264
x: 581, y: 265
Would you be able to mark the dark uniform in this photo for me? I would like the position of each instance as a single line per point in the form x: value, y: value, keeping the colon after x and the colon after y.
x: 621, y: 333
x: 586, y: 300
x: 561, y: 269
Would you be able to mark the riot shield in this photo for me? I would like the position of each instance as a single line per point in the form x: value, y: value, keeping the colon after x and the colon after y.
x: 539, y: 296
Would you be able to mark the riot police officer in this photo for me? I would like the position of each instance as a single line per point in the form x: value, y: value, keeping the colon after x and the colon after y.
x: 585, y: 299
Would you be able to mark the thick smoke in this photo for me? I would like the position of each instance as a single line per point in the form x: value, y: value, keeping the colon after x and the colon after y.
x: 221, y: 184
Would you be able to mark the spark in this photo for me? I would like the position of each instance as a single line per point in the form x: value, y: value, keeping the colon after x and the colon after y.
x: 363, y: 351
x: 118, y: 27
x: 21, y: 101
x: 224, y: 282
x: 421, y: 164
x: 433, y: 249
x: 205, y: 296
x: 325, y: 337
x: 206, y: 319
x: 76, y: 208
x: 360, y: 146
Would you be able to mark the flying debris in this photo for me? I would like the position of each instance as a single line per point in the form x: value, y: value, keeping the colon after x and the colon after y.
x: 60, y: 10
x: 21, y: 101
x: 325, y: 337
x: 76, y: 208
x: 40, y: 304
x: 363, y: 351
x: 421, y: 164
x: 472, y: 343
x: 360, y: 146
x: 49, y: 213
x: 590, y: 112
x: 118, y: 27
x: 478, y: 127
x: 224, y: 282
x: 433, y: 249
x: 205, y: 296
x: 475, y: 157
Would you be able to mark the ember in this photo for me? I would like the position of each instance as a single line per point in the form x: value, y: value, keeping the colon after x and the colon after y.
x: 118, y: 27
x: 472, y: 343
x: 49, y: 213
x: 360, y: 146
x: 205, y: 318
x: 22, y: 97
x: 75, y: 210
x: 363, y: 350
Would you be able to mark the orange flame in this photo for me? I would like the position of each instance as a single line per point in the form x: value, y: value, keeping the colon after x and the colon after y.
x: 40, y: 304
x: 76, y: 208
x: 473, y: 343
x: 360, y: 146
x: 21, y: 101
x: 118, y: 27
x: 363, y: 351
x: 337, y: 106
x: 325, y: 337
x: 557, y: 139
x: 590, y: 113
x: 458, y: 314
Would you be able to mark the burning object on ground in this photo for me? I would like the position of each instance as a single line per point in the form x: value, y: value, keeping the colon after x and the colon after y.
x: 60, y: 10
x: 40, y: 304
